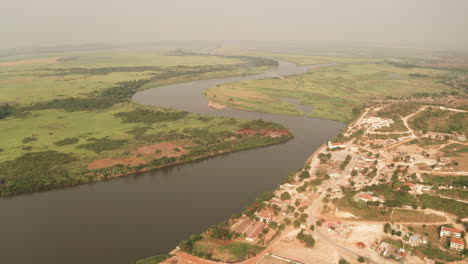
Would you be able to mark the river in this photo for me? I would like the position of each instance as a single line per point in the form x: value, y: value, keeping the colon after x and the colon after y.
x: 129, y: 218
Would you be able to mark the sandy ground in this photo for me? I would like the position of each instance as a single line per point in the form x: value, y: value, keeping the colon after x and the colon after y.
x: 345, y: 214
x: 215, y: 105
x: 366, y: 233
x: 321, y: 253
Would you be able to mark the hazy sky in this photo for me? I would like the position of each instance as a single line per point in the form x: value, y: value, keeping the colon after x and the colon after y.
x: 424, y: 23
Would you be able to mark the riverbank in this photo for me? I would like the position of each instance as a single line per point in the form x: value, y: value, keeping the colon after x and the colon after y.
x: 154, y: 204
x: 61, y: 139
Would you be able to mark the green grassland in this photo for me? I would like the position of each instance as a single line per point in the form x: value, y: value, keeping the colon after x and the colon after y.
x: 442, y: 121
x: 28, y: 83
x: 66, y: 113
x: 333, y: 91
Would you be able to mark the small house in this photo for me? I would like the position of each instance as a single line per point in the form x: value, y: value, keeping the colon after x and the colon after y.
x: 457, y: 244
x: 450, y: 232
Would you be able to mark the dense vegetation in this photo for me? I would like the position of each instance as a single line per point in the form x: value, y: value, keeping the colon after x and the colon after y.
x: 5, y: 111
x: 149, y: 117
x: 441, y: 121
x: 153, y: 260
x: 66, y: 141
x: 35, y: 171
x: 400, y: 198
x: 119, y: 93
x: 103, y: 144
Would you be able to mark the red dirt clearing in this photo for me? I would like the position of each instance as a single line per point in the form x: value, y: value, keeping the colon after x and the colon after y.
x: 104, y: 163
x: 161, y: 149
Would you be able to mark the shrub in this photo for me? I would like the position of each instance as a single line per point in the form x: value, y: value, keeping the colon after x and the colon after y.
x: 103, y: 144
x: 66, y: 141
x: 285, y: 196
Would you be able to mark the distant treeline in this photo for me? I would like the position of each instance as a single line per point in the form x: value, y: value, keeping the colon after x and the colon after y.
x: 167, y: 72
x: 119, y: 93
x: 250, y: 61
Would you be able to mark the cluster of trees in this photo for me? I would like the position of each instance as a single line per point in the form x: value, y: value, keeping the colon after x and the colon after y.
x: 301, y: 219
x: 441, y: 121
x: 35, y: 171
x: 324, y: 158
x: 306, y: 238
x: 5, y: 111
x: 388, y: 230
x: 103, y: 144
x: 119, y: 93
x: 259, y: 124
x: 345, y: 162
x: 401, y: 197
x: 220, y: 231
x: 418, y: 75
x: 304, y: 175
x: 188, y: 245
x: 149, y: 116
x: 66, y: 141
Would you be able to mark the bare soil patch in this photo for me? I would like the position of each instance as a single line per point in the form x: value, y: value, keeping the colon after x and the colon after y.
x: 104, y: 163
x: 462, y: 159
x: 168, y: 149
x: 215, y: 105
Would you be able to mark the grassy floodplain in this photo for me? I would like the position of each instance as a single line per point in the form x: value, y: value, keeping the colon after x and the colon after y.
x: 67, y: 118
x: 333, y: 91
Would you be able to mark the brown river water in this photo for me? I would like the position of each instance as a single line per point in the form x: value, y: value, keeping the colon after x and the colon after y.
x: 129, y: 218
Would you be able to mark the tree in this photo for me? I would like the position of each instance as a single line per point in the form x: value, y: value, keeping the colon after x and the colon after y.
x: 273, y: 225
x: 304, y: 175
x: 320, y: 222
x: 285, y: 196
x: 361, y: 259
x: 343, y: 261
x: 307, y: 239
x: 354, y: 173
x: 405, y: 188
x: 386, y: 228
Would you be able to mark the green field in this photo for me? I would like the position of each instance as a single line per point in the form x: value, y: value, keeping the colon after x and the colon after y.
x: 58, y: 116
x: 333, y: 91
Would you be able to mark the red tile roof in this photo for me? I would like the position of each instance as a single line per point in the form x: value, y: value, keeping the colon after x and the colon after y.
x: 265, y: 213
x: 337, y: 144
x: 360, y: 245
x: 450, y: 229
x: 365, y: 196
x: 256, y: 230
x: 409, y: 184
x: 457, y: 240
